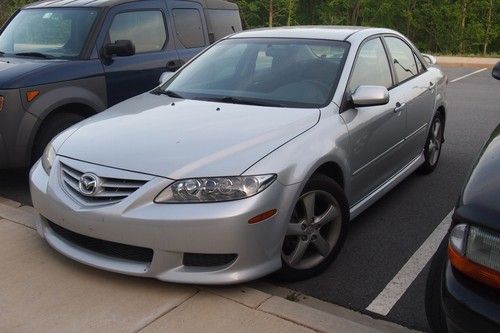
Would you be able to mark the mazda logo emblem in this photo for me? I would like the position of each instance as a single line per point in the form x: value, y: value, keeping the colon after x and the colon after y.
x: 89, y: 184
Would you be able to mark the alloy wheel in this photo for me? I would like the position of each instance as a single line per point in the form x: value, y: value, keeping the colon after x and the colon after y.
x: 436, y: 139
x: 313, y: 230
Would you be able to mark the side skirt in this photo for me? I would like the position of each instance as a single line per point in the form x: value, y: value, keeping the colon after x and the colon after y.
x: 397, y: 178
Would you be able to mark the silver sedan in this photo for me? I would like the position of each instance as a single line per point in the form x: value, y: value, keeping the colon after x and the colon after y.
x: 249, y: 160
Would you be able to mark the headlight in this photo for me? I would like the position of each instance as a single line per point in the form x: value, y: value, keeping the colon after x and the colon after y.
x: 49, y: 154
x: 475, y: 251
x: 214, y: 189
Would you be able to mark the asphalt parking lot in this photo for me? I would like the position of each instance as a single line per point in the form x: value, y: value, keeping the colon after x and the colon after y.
x: 387, y: 235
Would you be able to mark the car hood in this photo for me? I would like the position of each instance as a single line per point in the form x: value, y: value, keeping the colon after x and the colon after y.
x: 482, y: 188
x: 12, y: 69
x: 176, y: 138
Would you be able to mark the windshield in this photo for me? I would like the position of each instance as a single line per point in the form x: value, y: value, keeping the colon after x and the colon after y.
x: 48, y: 32
x: 273, y: 72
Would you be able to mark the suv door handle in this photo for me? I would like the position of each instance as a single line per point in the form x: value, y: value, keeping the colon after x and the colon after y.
x: 399, y: 107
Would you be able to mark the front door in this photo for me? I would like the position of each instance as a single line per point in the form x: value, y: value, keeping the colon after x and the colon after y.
x: 376, y: 133
x: 145, y: 23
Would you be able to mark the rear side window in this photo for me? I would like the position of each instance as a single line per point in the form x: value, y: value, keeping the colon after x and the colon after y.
x: 146, y: 29
x: 420, y: 66
x: 371, y: 67
x: 402, y: 57
x: 189, y: 27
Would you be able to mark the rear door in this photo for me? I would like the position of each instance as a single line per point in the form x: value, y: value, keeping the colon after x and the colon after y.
x: 191, y: 34
x: 145, y: 23
x: 376, y: 133
x: 418, y: 87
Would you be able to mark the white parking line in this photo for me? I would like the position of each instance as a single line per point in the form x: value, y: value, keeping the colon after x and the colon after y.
x: 467, y: 75
x: 385, y: 301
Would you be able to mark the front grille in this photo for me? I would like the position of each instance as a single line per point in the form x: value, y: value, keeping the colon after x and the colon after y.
x: 207, y: 260
x: 113, y: 189
x: 112, y: 249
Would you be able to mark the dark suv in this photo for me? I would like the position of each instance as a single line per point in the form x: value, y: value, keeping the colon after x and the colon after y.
x: 62, y: 61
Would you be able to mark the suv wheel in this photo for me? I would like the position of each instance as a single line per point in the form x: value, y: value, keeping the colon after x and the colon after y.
x: 316, y: 230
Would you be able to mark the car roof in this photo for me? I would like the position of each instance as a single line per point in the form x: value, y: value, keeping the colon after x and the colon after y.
x: 212, y: 4
x: 313, y: 32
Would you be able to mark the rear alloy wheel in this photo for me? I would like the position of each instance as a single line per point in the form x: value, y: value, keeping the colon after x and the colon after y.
x: 433, y: 145
x: 316, y: 230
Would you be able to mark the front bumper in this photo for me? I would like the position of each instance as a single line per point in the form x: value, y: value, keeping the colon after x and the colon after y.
x: 170, y: 230
x: 469, y: 306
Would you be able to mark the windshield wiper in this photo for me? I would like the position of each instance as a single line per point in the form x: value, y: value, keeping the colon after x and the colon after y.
x: 34, y: 54
x: 169, y: 93
x: 237, y: 100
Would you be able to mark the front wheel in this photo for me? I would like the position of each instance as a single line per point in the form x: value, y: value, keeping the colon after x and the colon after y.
x: 316, y: 230
x: 433, y: 144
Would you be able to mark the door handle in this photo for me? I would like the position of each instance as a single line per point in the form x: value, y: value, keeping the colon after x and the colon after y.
x: 431, y: 85
x: 399, y: 107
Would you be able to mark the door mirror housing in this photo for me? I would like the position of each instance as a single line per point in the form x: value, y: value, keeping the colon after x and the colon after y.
x: 165, y: 76
x: 430, y: 59
x: 496, y: 71
x: 120, y: 48
x: 370, y: 96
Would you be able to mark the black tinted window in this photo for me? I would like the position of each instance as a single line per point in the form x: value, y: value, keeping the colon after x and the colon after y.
x: 146, y: 29
x: 371, y: 67
x: 189, y: 27
x: 402, y: 57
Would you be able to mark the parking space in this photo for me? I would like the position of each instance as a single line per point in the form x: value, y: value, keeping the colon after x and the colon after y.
x: 387, y: 235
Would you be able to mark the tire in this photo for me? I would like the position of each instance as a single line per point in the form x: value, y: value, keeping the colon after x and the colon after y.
x: 50, y: 128
x: 329, y: 225
x: 433, y: 307
x: 432, y: 141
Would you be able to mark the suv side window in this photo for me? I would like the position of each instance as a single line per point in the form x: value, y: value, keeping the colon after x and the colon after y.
x: 189, y: 27
x: 402, y: 58
x: 371, y: 67
x: 146, y: 30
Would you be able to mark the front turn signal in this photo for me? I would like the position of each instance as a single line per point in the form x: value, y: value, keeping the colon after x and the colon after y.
x: 1, y: 102
x: 31, y: 95
x: 262, y: 217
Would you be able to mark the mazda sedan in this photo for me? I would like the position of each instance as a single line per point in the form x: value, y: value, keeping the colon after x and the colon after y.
x: 251, y: 159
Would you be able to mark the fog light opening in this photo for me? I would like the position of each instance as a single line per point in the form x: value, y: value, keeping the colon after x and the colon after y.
x: 263, y: 216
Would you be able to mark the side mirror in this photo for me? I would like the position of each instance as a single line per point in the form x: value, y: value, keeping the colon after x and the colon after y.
x: 370, y: 96
x: 120, y: 48
x: 430, y: 59
x: 496, y: 71
x: 165, y: 76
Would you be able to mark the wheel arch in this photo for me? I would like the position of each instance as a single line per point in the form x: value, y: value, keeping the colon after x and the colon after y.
x: 332, y: 170
x: 79, y: 108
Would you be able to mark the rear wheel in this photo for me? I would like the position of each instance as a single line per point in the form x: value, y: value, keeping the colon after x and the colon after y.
x: 50, y: 128
x: 316, y: 230
x: 433, y: 145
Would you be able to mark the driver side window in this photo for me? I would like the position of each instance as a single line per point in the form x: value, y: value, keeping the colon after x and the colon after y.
x: 371, y: 67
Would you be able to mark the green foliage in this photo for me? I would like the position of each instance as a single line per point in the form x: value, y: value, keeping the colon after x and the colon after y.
x: 440, y: 26
x: 434, y: 25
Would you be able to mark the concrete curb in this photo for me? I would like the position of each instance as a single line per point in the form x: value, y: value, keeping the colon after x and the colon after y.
x: 44, y: 291
x: 473, y: 62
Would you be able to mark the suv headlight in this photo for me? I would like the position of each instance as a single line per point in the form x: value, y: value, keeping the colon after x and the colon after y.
x: 475, y: 251
x: 49, y: 154
x: 214, y: 189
